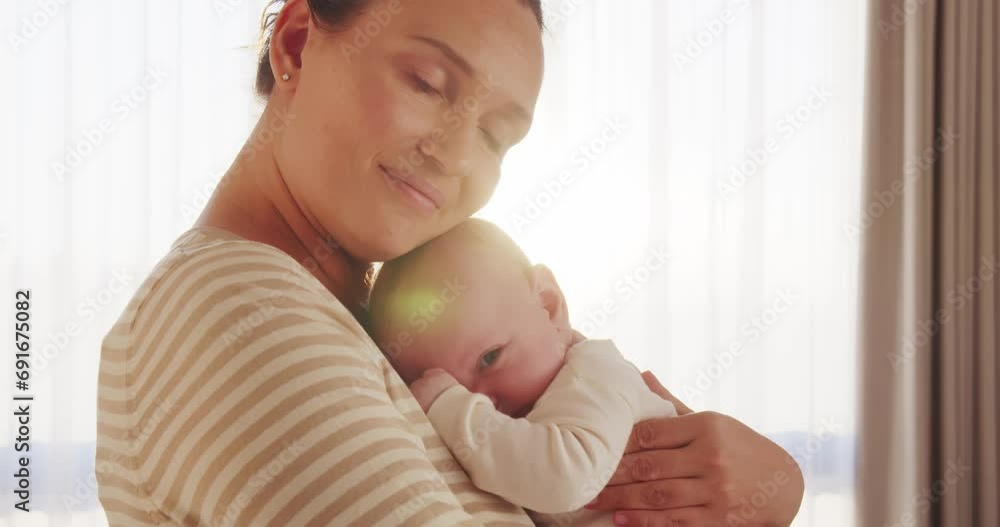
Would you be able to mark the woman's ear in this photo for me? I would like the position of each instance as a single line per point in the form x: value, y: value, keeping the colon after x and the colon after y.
x: 546, y: 289
x: 291, y: 30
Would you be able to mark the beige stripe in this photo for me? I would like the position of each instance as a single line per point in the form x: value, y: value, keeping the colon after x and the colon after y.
x: 186, y: 314
x: 219, y: 336
x: 330, y: 465
x: 110, y: 407
x: 212, y: 352
x: 183, y: 274
x: 110, y: 362
x: 118, y: 478
x: 219, y: 491
x: 262, y: 427
x: 227, y: 292
x: 112, y: 391
x: 351, y: 484
x: 438, y: 513
x: 199, y: 369
x: 183, y: 386
x: 203, y: 277
x: 183, y: 432
x: 306, y: 432
x: 118, y: 337
x: 123, y: 508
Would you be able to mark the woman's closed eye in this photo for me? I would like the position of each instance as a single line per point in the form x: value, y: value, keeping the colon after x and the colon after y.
x: 489, y: 358
x: 426, y: 87
x: 491, y: 141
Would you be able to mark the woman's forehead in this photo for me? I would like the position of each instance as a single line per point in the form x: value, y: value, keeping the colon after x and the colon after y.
x: 499, y: 39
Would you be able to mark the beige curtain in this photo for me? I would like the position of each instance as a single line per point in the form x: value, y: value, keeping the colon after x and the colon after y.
x: 930, y: 266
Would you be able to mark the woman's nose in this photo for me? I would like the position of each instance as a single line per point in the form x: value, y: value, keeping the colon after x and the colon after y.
x: 452, y: 153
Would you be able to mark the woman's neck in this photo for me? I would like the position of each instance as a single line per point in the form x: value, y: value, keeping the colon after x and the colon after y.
x: 253, y: 202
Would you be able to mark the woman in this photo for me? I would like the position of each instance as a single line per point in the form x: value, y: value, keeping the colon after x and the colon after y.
x: 239, y: 388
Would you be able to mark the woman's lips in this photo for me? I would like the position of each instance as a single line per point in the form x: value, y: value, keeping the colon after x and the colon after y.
x: 422, y: 193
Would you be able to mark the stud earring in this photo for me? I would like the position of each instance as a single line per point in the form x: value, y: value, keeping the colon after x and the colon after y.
x: 285, y: 77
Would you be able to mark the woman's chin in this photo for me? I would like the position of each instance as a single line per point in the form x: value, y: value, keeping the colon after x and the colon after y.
x: 387, y: 246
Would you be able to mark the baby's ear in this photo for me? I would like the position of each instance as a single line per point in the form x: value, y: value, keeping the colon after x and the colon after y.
x: 545, y: 287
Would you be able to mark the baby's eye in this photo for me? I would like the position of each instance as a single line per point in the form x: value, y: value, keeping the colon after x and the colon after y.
x: 489, y: 358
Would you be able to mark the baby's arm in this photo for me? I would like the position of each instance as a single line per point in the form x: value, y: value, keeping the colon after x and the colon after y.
x: 564, y: 452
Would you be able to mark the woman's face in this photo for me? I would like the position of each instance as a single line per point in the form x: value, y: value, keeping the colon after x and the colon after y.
x: 398, y: 124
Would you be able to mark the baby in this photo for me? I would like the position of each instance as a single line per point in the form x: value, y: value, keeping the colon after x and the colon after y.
x: 534, y: 413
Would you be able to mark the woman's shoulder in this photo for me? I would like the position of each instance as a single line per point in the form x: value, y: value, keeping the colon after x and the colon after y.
x: 213, y: 281
x: 238, y: 361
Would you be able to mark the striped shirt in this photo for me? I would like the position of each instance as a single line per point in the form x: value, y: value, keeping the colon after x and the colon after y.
x: 236, y: 390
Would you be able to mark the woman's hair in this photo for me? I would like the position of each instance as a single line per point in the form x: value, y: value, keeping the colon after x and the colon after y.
x: 330, y: 14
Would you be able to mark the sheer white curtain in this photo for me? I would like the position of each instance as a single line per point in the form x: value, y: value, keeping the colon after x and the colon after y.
x: 120, y: 115
x: 725, y: 134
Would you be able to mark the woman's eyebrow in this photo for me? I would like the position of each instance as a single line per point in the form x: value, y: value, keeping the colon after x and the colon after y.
x: 515, y: 109
x: 449, y: 52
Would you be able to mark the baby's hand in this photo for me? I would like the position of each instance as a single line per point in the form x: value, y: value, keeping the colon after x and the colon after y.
x: 430, y: 385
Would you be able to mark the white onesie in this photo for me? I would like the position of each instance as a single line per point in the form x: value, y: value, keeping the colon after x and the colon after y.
x: 560, y: 456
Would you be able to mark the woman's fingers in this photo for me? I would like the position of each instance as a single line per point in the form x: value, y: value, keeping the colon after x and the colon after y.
x: 663, y: 432
x: 654, y: 384
x: 654, y: 495
x: 657, y: 464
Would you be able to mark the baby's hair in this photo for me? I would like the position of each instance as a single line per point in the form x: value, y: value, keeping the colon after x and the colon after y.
x: 494, y: 242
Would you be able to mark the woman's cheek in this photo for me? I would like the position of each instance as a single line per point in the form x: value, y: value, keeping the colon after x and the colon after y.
x: 479, y: 188
x: 394, y: 115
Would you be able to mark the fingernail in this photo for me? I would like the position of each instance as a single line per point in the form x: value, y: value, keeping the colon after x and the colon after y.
x: 620, y: 519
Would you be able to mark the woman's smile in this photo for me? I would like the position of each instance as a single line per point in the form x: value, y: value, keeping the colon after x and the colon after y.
x: 415, y: 190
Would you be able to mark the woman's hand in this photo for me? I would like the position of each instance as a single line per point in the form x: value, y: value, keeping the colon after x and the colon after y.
x: 432, y: 383
x: 701, y: 468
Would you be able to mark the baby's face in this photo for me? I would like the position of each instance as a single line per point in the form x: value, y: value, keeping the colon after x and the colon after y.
x: 481, y: 320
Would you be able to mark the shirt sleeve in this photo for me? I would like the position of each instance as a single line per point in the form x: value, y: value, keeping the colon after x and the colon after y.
x: 257, y: 401
x: 565, y: 451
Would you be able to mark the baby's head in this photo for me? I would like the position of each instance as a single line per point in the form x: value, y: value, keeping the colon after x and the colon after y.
x: 471, y: 303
